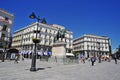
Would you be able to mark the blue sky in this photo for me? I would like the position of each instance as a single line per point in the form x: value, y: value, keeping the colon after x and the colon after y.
x: 98, y: 17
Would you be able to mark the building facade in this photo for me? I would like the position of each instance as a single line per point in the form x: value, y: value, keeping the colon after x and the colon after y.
x: 6, y: 21
x: 22, y: 39
x: 117, y: 52
x: 90, y: 45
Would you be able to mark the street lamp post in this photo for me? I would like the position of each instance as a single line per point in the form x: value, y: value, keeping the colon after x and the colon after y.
x: 33, y: 64
x: 4, y: 52
x: 3, y: 55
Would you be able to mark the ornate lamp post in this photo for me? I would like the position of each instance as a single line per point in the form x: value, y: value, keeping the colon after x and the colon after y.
x: 35, y: 40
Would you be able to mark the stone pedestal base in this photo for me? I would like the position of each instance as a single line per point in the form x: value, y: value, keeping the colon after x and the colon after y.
x: 59, y: 51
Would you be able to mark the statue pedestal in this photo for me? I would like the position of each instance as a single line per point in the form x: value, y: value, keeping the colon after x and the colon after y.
x: 59, y: 51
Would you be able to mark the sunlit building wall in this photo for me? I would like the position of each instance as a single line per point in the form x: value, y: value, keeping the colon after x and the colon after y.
x: 22, y: 38
x: 90, y: 45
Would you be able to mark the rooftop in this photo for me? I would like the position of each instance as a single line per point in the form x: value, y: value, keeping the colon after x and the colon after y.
x: 4, y: 11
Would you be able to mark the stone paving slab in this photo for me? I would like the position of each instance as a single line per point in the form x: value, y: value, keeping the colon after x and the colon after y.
x: 57, y: 71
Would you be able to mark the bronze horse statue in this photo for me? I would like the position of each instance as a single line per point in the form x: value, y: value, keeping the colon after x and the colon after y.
x: 60, y: 34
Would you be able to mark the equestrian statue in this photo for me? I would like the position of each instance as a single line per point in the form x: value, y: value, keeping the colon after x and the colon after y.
x: 60, y: 35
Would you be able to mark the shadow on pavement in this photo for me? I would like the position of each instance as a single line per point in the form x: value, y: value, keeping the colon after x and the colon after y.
x: 40, y: 69
x: 37, y: 69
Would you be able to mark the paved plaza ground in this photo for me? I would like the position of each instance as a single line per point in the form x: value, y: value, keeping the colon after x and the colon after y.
x: 58, y: 71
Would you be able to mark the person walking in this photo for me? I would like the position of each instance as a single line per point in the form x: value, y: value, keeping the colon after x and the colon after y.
x: 16, y: 60
x: 109, y: 59
x: 115, y: 58
x: 83, y: 59
x: 22, y: 58
x: 99, y: 58
x: 93, y: 60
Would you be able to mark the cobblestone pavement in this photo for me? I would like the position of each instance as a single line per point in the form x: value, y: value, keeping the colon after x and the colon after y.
x: 57, y: 71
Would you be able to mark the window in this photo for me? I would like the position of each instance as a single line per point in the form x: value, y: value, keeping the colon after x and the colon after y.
x: 40, y: 29
x: 105, y: 47
x: 4, y: 27
x: 46, y: 41
x: 46, y: 31
x: 50, y: 31
x: 6, y: 18
x: 3, y: 35
x: 54, y: 32
x: 87, y: 45
x: 91, y: 47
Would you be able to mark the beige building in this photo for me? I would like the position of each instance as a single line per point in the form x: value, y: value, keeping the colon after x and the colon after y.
x: 6, y: 21
x: 89, y: 45
x: 22, y: 38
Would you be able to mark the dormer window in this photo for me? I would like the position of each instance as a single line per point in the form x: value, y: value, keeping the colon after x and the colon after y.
x: 6, y: 18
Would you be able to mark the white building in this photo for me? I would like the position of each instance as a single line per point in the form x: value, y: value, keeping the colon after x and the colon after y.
x: 92, y: 45
x: 22, y: 38
x: 6, y: 21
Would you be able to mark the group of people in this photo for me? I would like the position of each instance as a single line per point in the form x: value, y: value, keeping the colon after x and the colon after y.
x: 92, y: 59
x: 100, y: 58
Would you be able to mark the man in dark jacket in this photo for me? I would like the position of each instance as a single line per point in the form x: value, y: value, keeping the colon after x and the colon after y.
x: 93, y: 60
